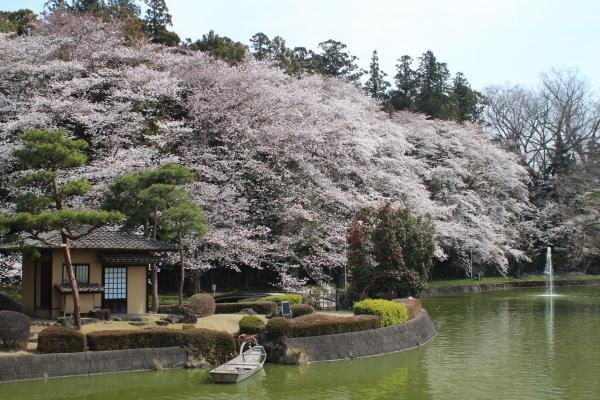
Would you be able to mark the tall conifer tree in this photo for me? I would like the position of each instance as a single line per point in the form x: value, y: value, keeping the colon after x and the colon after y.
x: 432, y: 77
x: 376, y: 86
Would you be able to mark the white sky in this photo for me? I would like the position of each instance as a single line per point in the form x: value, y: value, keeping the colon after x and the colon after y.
x: 490, y: 41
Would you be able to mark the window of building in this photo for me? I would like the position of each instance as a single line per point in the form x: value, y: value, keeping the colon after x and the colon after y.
x: 81, y: 271
x: 115, y: 283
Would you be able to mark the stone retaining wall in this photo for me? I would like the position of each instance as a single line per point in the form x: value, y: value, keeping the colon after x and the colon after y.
x: 343, y: 346
x: 40, y: 366
x: 486, y: 287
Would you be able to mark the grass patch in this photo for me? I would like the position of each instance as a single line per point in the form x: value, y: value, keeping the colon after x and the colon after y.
x: 165, y: 299
x: 506, y: 279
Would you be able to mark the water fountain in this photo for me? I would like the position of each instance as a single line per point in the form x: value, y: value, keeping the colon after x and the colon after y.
x: 548, y: 273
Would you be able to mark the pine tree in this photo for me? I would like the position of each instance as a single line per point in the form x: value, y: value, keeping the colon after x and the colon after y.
x: 432, y: 77
x: 220, y: 47
x: 376, y: 86
x: 19, y: 21
x: 334, y: 60
x: 180, y: 216
x: 44, y: 205
x: 157, y: 20
x: 95, y: 7
x: 131, y: 194
x: 466, y: 101
x: 260, y: 45
x: 403, y: 97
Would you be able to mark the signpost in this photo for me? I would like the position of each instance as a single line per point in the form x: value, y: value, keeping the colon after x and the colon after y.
x: 214, y: 289
x: 286, y: 310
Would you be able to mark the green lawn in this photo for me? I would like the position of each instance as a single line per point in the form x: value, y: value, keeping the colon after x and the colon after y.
x: 165, y: 299
x: 505, y: 279
x: 12, y: 291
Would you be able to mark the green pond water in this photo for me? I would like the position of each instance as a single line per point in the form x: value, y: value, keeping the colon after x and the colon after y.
x: 499, y: 345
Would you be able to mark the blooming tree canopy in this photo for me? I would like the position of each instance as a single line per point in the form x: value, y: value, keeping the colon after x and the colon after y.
x: 281, y: 164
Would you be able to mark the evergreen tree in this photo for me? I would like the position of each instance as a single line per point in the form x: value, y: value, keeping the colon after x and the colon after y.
x: 180, y: 216
x: 293, y: 62
x: 121, y: 7
x: 334, y: 60
x: 19, y: 21
x: 305, y: 59
x: 131, y: 194
x: 157, y: 20
x: 260, y: 45
x: 389, y: 251
x: 125, y: 11
x: 221, y: 47
x: 403, y: 97
x: 277, y: 48
x: 129, y: 14
x: 45, y: 203
x: 376, y: 86
x: 467, y: 107
x: 96, y: 7
x: 432, y: 77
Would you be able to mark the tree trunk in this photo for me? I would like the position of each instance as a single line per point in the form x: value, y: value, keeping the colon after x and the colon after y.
x: 181, y: 267
x: 196, y: 276
x: 154, y: 279
x: 72, y: 280
x: 154, y: 267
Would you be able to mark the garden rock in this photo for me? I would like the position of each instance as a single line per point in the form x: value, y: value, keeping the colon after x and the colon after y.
x: 185, y: 318
x: 247, y: 311
x: 8, y: 304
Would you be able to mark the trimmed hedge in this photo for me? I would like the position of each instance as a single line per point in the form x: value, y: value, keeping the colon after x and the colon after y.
x: 202, y: 304
x: 214, y: 346
x: 278, y: 327
x: 251, y: 324
x: 299, y: 310
x: 261, y: 307
x: 60, y: 339
x: 413, y: 306
x: 319, y: 325
x: 292, y: 298
x: 14, y: 329
x: 390, y: 312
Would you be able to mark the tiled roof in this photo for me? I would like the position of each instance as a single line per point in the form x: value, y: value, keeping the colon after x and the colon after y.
x: 128, y: 258
x: 99, y: 239
x: 81, y: 287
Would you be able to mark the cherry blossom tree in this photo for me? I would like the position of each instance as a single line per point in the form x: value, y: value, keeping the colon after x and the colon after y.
x: 281, y: 163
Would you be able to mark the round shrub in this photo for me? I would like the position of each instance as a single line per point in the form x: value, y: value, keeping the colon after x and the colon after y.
x: 14, y: 329
x: 60, y: 339
x: 202, y: 304
x: 277, y: 327
x: 8, y: 304
x: 251, y: 324
x: 389, y: 312
x: 292, y: 298
x: 299, y: 310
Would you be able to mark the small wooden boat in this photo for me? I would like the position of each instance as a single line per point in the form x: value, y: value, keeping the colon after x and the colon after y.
x: 242, y: 367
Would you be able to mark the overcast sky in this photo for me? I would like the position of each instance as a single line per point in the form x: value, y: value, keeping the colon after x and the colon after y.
x: 490, y: 41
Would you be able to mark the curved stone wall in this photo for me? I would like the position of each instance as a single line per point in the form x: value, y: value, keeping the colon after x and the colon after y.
x: 41, y: 366
x: 486, y: 287
x: 344, y: 346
